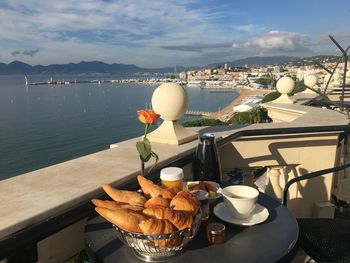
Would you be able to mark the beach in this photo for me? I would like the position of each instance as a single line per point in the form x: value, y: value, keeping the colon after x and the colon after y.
x: 243, y: 94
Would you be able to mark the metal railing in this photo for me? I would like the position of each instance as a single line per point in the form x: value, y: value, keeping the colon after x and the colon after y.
x: 309, y: 176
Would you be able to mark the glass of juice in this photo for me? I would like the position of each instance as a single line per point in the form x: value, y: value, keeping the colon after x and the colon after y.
x: 172, y: 177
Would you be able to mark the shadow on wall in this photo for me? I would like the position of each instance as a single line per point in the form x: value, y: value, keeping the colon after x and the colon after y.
x: 313, y: 189
x: 281, y: 151
x: 277, y: 152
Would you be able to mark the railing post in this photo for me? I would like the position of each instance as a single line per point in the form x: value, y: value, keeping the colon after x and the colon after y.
x: 276, y: 190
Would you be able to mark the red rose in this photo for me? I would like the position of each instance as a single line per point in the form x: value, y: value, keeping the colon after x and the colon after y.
x: 147, y: 116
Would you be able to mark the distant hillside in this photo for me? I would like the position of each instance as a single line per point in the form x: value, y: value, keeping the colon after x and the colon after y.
x: 257, y: 61
x: 17, y: 67
x: 311, y: 60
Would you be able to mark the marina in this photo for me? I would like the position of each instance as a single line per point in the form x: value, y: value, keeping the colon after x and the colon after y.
x: 96, y: 114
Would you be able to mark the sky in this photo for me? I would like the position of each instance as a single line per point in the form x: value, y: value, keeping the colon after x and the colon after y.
x: 156, y: 33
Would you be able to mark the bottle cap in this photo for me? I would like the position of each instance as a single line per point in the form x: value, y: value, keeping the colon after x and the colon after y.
x: 207, y: 137
x: 171, y: 174
x: 216, y: 228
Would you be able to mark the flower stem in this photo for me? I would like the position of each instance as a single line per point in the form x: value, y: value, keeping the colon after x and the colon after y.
x: 146, y: 129
x: 142, y: 168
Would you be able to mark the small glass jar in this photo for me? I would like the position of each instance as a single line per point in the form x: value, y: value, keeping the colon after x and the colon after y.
x: 172, y: 177
x: 216, y: 233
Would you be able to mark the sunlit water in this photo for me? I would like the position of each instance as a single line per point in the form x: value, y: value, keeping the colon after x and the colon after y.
x: 48, y: 124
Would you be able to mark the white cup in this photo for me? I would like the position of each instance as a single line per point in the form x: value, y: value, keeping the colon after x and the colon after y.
x: 240, y: 200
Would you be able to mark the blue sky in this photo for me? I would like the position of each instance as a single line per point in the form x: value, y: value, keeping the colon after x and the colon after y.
x: 154, y: 33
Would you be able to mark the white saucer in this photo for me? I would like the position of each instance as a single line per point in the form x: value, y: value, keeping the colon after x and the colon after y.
x: 259, y: 215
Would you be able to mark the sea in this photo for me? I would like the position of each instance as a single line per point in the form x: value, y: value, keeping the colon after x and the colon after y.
x: 43, y: 125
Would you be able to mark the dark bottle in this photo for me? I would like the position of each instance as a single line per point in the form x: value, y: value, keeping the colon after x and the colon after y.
x: 206, y: 163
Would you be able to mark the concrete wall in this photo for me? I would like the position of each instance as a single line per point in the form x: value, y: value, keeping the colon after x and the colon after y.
x: 63, y: 246
x: 300, y: 154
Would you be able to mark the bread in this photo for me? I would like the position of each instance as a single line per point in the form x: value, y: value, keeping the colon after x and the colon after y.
x: 185, y: 201
x: 170, y: 193
x: 123, y: 218
x: 135, y: 208
x: 160, y: 226
x: 148, y: 187
x: 180, y: 219
x: 156, y: 211
x: 157, y: 202
x: 123, y: 196
x: 113, y: 205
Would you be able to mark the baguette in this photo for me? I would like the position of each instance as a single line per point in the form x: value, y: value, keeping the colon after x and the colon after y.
x: 123, y: 218
x: 123, y: 196
x: 113, y: 205
x: 148, y: 187
x: 157, y: 202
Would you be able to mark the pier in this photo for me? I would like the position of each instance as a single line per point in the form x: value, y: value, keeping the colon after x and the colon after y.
x: 99, y: 81
x: 198, y: 113
x: 67, y: 82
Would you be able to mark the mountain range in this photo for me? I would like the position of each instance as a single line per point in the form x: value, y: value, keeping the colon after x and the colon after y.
x: 84, y: 67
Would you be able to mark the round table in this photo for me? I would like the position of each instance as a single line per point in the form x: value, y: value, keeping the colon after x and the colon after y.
x: 269, y: 241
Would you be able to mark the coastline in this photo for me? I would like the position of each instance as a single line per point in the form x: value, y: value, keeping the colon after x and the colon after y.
x: 243, y: 93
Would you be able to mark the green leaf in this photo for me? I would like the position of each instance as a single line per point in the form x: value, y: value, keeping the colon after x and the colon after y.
x: 144, y: 149
x: 147, y: 145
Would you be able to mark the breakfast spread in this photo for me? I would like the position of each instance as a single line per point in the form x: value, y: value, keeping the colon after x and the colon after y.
x: 156, y: 210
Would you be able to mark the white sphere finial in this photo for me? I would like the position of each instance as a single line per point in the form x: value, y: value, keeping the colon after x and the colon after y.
x: 285, y: 85
x: 170, y: 100
x: 310, y: 81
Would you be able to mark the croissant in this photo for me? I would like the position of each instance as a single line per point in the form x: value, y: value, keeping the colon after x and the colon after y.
x: 157, y: 202
x: 180, y: 219
x: 113, y: 205
x: 148, y: 187
x: 160, y: 226
x: 123, y: 218
x: 170, y: 193
x: 135, y: 208
x: 185, y: 201
x: 124, y: 196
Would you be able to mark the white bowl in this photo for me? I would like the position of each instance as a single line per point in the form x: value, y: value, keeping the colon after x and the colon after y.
x: 240, y: 200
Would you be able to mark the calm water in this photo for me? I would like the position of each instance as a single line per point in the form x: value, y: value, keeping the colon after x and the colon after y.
x: 48, y: 124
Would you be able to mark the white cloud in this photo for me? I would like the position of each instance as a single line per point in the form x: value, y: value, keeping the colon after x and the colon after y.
x: 245, y: 28
x: 276, y: 41
x: 88, y: 29
x: 142, y: 32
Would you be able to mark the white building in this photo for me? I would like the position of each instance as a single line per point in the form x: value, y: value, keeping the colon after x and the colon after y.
x: 248, y: 104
